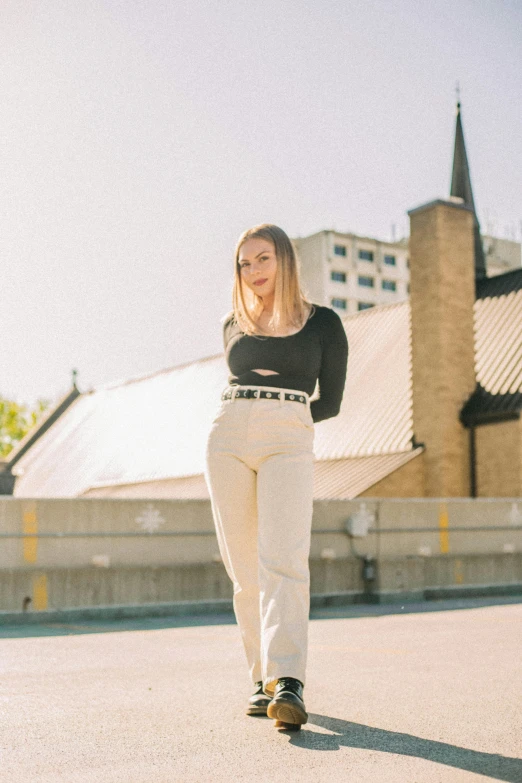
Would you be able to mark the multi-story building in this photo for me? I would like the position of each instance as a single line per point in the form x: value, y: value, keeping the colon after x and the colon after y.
x: 502, y: 255
x: 350, y: 272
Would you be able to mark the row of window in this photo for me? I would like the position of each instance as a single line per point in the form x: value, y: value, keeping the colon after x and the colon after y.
x: 342, y: 304
x: 365, y: 255
x: 368, y: 282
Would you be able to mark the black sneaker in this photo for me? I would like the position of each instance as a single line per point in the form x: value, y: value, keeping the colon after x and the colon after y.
x: 287, y: 706
x: 258, y: 702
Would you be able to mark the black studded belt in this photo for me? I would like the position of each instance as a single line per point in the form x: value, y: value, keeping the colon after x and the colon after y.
x: 259, y: 394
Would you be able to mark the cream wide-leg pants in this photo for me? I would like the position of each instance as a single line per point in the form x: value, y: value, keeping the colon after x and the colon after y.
x: 259, y: 473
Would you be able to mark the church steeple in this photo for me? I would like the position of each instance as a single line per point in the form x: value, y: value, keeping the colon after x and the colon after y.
x: 461, y: 186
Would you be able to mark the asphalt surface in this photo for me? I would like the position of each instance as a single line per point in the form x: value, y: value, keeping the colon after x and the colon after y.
x: 416, y: 694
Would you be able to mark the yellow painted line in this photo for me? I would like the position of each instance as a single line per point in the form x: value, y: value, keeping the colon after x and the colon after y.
x: 443, y: 528
x: 30, y: 530
x: 459, y: 573
x: 40, y: 592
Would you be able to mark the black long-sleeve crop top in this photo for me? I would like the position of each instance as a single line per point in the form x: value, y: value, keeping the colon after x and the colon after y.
x: 318, y: 351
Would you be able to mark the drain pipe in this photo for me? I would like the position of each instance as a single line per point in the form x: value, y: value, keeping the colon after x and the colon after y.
x: 472, y: 461
x: 357, y: 525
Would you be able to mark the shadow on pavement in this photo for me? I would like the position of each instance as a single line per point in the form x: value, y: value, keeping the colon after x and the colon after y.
x: 413, y: 607
x: 356, y: 735
x: 110, y: 626
x: 79, y: 626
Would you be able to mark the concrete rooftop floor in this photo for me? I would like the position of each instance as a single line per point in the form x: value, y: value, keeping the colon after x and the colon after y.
x: 419, y: 693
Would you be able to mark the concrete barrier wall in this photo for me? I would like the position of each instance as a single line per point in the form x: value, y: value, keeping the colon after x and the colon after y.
x: 87, y: 551
x: 422, y: 526
x: 35, y: 590
x: 71, y: 532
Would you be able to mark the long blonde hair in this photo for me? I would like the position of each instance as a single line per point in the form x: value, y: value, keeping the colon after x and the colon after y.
x: 291, y: 306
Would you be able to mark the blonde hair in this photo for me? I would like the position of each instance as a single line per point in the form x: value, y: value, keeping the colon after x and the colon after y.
x: 291, y: 306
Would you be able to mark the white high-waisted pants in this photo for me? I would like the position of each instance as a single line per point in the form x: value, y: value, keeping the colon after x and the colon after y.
x: 259, y: 473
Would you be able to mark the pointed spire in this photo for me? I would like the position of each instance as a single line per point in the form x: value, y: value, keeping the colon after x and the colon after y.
x: 461, y: 186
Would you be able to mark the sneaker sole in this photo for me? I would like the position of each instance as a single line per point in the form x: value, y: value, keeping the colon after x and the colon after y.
x: 287, y: 712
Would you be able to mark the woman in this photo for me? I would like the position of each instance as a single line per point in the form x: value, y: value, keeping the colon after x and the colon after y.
x: 259, y: 460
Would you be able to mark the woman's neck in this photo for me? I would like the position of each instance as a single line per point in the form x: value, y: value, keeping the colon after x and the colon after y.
x: 268, y: 306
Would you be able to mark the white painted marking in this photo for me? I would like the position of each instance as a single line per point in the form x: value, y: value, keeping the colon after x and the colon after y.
x: 151, y: 519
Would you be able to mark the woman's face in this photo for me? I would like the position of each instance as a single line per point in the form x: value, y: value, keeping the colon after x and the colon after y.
x: 258, y: 265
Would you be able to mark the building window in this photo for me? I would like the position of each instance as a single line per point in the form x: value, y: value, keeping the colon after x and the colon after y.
x: 366, y: 281
x: 339, y: 276
x: 389, y: 285
x: 340, y: 250
x: 339, y: 303
x: 408, y: 287
x: 408, y: 263
x: 390, y: 260
x: 366, y: 255
x: 364, y: 305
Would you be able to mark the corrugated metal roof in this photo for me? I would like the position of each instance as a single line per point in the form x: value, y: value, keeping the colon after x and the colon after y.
x: 498, y: 343
x: 499, y: 285
x: 340, y: 479
x: 376, y: 412
x: 186, y: 488
x: 345, y: 479
x: 498, y: 358
x: 155, y: 428
x: 141, y: 430
x: 484, y: 407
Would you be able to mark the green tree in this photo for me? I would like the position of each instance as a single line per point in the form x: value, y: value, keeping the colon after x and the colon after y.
x: 16, y: 419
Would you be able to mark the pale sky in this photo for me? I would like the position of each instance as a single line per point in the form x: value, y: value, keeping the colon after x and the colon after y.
x: 139, y: 139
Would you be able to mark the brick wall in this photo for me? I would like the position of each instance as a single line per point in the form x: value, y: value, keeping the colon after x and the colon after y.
x: 442, y: 291
x: 405, y: 482
x: 499, y: 459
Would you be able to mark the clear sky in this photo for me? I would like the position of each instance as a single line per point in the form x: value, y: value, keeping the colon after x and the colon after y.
x: 139, y: 139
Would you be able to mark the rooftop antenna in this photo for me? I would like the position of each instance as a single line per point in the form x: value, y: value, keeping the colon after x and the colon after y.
x: 457, y: 90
